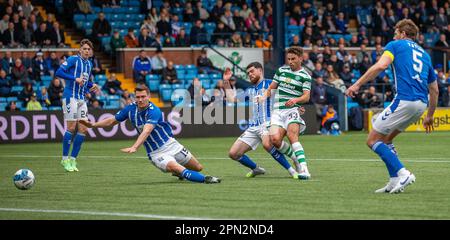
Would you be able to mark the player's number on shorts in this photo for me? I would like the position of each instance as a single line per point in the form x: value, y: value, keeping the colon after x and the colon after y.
x: 83, y: 114
x: 418, y: 64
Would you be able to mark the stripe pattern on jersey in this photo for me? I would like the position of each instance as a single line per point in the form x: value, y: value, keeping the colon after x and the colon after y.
x: 290, y: 85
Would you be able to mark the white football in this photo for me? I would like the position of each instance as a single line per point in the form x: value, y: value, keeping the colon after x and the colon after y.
x: 24, y: 179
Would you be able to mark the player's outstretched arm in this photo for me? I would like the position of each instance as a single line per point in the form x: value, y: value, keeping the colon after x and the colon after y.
x: 269, y: 90
x: 104, y: 123
x: 370, y: 74
x: 148, y: 128
x: 302, y: 99
x: 434, y: 94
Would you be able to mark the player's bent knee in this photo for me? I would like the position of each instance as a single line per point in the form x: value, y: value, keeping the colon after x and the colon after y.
x: 234, y: 155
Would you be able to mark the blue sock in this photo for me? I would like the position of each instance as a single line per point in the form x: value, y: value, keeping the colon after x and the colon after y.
x: 280, y: 158
x: 79, y: 138
x: 67, y: 139
x: 391, y: 160
x: 246, y: 161
x: 193, y: 176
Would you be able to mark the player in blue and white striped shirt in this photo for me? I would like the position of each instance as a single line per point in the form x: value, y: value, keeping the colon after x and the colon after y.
x: 166, y: 153
x: 257, y: 131
x: 414, y: 80
x: 76, y: 72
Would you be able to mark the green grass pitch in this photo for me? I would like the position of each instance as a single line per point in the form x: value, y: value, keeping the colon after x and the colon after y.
x: 113, y: 185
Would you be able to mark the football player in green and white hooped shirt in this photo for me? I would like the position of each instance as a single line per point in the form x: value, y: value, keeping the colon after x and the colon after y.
x: 293, y: 85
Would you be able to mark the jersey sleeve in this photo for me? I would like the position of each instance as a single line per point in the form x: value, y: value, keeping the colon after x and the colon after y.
x: 389, y: 50
x: 122, y: 115
x: 154, y: 115
x: 276, y: 77
x: 69, y: 63
x: 307, y: 83
x: 431, y: 75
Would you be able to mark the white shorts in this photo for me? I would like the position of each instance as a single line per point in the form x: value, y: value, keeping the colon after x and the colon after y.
x: 398, y: 116
x: 172, y: 150
x: 253, y: 135
x: 75, y: 109
x: 284, y: 117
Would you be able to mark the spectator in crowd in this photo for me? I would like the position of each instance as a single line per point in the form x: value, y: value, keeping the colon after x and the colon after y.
x: 168, y: 42
x: 101, y: 28
x: 43, y: 97
x: 217, y: 11
x: 329, y: 116
x: 227, y: 19
x: 198, y: 33
x: 130, y: 39
x: 364, y: 64
x: 221, y: 32
x: 33, y: 104
x: 125, y: 99
x: 247, y: 42
x: 96, y: 66
x: 25, y: 94
x: 154, y: 16
x: 332, y: 78
x: 295, y: 41
x: 169, y: 74
x: 203, y: 14
x: 19, y: 73
x: 197, y: 93
x: 346, y: 75
x: 150, y: 26
x: 27, y: 8
x: 319, y: 97
x: 112, y: 86
x: 141, y: 67
x: 182, y: 40
x: 262, y: 43
x: 42, y: 37
x: 307, y: 63
x: 189, y: 14
x: 341, y: 24
x: 5, y: 84
x: 336, y: 63
x: 55, y: 92
x: 25, y: 33
x: 4, y: 23
x: 239, y: 21
x: 58, y: 38
x: 39, y: 66
x: 159, y: 62
x: 318, y: 70
x: 52, y: 63
x: 236, y: 40
x: 145, y: 40
x: 84, y: 6
x: 442, y: 20
x: 204, y: 64
x: 12, y: 107
x: 370, y: 98
x: 7, y: 62
x: 116, y: 42
x: 11, y: 36
x: 163, y: 26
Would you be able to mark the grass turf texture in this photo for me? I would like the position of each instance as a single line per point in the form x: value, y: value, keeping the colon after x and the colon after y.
x: 344, y: 171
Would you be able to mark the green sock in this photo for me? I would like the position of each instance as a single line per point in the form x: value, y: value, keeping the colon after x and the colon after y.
x: 287, y: 150
x: 299, y: 152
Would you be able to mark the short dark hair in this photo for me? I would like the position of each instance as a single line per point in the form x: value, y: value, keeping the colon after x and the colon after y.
x: 295, y: 50
x: 142, y: 88
x: 88, y: 42
x: 254, y: 64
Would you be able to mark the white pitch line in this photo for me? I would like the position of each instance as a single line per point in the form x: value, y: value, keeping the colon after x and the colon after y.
x: 416, y: 160
x: 113, y: 214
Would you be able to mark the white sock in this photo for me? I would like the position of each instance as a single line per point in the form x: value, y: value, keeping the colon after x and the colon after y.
x: 299, y: 152
x: 292, y: 171
x: 65, y: 157
x: 403, y: 172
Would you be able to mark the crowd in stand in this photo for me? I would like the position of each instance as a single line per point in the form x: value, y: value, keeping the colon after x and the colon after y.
x: 21, y: 25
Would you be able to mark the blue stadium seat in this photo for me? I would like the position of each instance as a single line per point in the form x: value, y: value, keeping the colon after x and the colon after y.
x: 133, y: 3
x: 206, y: 84
x: 110, y: 10
x: 190, y: 76
x: 202, y: 77
x: 10, y: 99
x: 20, y: 104
x: 100, y: 77
x: 3, y: 106
x: 153, y: 85
x: 352, y: 105
x: 3, y: 99
x: 177, y: 86
x: 166, y: 94
x: 153, y: 77
x: 91, y: 17
x: 54, y: 108
x: 112, y: 104
x: 386, y: 104
x: 215, y: 76
x: 79, y: 17
x: 116, y: 17
x: 96, y: 9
